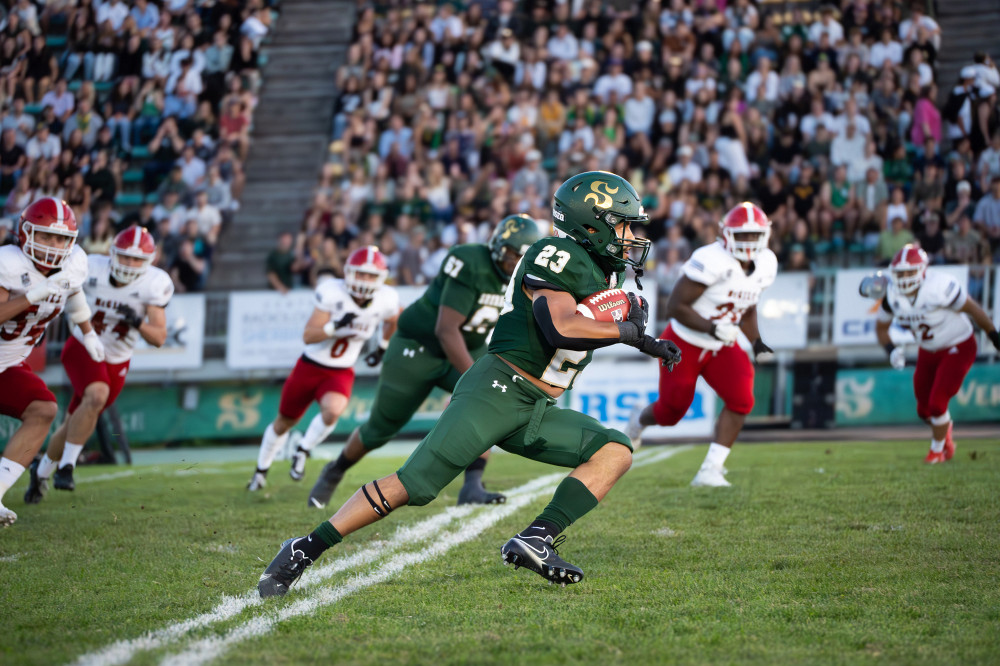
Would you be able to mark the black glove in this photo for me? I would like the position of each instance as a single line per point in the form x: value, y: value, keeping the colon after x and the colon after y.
x: 995, y: 339
x: 345, y: 320
x: 129, y: 316
x: 632, y: 329
x: 375, y: 357
x: 761, y: 352
x: 663, y: 349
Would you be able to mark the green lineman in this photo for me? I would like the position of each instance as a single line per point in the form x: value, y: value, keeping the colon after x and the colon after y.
x: 507, y: 397
x: 439, y: 337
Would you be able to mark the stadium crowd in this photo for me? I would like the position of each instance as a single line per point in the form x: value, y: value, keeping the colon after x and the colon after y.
x: 452, y: 115
x: 133, y: 111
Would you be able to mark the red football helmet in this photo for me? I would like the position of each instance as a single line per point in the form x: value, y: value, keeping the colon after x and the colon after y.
x: 365, y: 261
x: 908, y: 268
x: 49, y: 215
x: 133, y: 242
x: 749, y: 222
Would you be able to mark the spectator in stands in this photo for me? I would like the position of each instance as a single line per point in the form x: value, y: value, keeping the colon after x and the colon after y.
x: 893, y: 239
x: 43, y: 146
x: 102, y: 232
x: 192, y: 167
x: 281, y: 264
x: 40, y: 70
x: 191, y: 267
x: 987, y: 216
x: 19, y: 197
x: 207, y: 216
x: 86, y: 120
x: 170, y: 210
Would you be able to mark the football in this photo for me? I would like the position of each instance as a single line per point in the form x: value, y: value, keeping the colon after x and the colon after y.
x: 608, y: 305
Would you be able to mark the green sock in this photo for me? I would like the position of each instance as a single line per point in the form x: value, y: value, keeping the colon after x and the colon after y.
x: 571, y: 501
x: 328, y: 533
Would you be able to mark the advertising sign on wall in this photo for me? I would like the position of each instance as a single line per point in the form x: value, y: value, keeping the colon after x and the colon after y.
x: 265, y: 328
x: 185, y: 337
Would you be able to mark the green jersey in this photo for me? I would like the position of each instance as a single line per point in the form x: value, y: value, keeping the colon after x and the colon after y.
x: 566, y: 266
x: 468, y: 282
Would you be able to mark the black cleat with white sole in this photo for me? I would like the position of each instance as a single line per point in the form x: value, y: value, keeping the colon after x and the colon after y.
x: 539, y: 554
x: 284, y: 569
x: 37, y: 488
x: 327, y: 482
x: 298, y: 468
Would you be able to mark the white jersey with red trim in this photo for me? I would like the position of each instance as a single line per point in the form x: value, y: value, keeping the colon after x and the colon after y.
x: 342, y: 350
x: 730, y: 291
x: 154, y: 287
x: 18, y: 274
x: 933, y: 316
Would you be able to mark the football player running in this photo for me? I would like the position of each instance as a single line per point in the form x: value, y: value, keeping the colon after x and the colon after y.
x: 713, y: 301
x: 127, y: 296
x: 935, y: 307
x: 346, y: 315
x: 507, y: 398
x: 439, y: 337
x: 39, y: 277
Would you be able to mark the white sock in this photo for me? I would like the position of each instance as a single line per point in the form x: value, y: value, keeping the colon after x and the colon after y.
x: 269, y: 447
x: 317, y: 432
x: 937, y: 445
x: 10, y: 472
x: 46, y: 466
x: 70, y: 454
x: 716, y: 456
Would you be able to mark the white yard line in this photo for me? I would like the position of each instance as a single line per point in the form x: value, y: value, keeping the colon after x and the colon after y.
x: 188, y: 471
x: 211, y: 648
x: 124, y: 651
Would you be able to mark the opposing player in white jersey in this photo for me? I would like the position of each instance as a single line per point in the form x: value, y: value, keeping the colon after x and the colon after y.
x: 346, y: 315
x: 935, y: 307
x: 39, y: 278
x: 716, y: 298
x: 127, y: 296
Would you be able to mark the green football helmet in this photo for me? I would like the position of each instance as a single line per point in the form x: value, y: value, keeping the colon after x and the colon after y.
x: 589, y: 205
x: 515, y: 233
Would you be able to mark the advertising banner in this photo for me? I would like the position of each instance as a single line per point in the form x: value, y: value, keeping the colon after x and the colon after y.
x: 608, y: 392
x: 883, y: 396
x: 265, y: 328
x: 783, y: 312
x: 854, y: 315
x: 185, y: 337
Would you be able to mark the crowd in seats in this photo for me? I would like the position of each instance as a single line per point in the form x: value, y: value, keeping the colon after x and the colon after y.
x: 133, y: 111
x: 452, y: 115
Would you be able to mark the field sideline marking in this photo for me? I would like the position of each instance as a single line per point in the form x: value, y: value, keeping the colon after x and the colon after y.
x: 213, y: 647
x: 123, y: 651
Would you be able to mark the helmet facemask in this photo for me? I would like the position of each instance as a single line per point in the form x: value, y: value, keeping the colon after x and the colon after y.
x: 754, y: 241
x: 44, y: 255
x: 123, y: 273
x: 362, y: 288
x: 907, y: 279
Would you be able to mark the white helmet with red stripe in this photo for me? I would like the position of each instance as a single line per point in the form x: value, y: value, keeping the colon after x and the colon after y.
x: 364, y: 261
x: 908, y: 268
x: 745, y: 231
x: 134, y: 242
x: 52, y: 216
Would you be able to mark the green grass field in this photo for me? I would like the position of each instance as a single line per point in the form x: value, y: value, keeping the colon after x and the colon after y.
x: 820, y: 553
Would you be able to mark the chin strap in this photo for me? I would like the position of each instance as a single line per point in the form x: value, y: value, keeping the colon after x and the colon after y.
x: 638, y: 274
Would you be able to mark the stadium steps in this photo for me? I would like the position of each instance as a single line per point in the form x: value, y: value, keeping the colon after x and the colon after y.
x: 290, y: 136
x: 967, y: 26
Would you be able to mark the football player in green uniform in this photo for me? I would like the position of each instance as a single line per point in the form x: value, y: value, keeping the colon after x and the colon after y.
x: 507, y: 398
x: 439, y: 337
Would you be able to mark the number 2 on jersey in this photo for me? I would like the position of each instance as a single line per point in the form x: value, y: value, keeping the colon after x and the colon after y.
x: 555, y: 265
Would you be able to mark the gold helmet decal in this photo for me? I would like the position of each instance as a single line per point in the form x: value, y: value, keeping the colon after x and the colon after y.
x: 601, y: 199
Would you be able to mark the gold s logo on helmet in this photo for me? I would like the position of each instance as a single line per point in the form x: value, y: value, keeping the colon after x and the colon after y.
x: 601, y: 199
x: 509, y: 228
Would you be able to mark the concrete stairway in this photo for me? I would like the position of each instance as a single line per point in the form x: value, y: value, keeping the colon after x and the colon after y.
x: 290, y: 136
x: 967, y: 26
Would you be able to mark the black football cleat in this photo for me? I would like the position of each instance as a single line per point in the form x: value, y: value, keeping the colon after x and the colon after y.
x: 63, y: 478
x: 284, y: 569
x: 475, y: 493
x: 539, y: 554
x: 37, y: 488
x: 325, y: 485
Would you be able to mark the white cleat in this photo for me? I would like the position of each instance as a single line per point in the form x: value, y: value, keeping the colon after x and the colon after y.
x: 7, y: 517
x: 257, y: 482
x: 634, y: 429
x: 714, y: 477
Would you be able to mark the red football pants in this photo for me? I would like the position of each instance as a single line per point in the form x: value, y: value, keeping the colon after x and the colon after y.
x: 728, y: 371
x: 939, y: 376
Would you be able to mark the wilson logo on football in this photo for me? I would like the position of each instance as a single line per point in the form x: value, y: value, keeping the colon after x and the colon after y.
x: 608, y: 305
